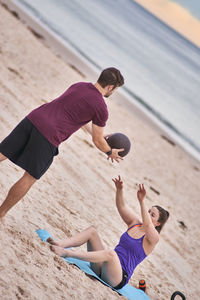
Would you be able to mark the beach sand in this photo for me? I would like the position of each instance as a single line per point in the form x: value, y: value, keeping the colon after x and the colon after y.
x: 77, y: 191
x: 176, y: 17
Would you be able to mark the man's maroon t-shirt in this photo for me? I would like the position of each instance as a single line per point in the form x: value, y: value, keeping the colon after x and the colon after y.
x: 80, y: 104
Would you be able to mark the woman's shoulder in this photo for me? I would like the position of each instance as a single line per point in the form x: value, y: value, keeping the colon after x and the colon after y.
x: 136, y: 222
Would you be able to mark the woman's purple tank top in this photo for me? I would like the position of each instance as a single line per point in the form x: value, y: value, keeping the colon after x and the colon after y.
x: 130, y: 252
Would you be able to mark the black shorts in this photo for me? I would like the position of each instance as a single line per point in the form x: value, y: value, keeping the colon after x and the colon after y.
x: 29, y: 149
x: 123, y: 282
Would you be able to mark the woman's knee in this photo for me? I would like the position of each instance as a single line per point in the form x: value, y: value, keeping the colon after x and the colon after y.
x: 111, y: 254
x: 93, y: 234
x: 92, y: 230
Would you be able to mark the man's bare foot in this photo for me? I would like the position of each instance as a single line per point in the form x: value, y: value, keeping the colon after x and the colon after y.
x: 2, y: 221
x: 59, y: 250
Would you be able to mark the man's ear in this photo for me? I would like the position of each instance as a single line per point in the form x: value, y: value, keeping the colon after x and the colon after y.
x: 110, y: 87
x: 157, y: 223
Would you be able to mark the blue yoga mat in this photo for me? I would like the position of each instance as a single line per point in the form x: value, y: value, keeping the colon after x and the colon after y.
x: 128, y: 291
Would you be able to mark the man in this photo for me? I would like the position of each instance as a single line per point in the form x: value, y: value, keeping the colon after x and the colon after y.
x: 33, y: 144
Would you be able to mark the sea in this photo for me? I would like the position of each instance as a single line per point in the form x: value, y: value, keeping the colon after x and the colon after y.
x: 161, y: 68
x: 192, y: 6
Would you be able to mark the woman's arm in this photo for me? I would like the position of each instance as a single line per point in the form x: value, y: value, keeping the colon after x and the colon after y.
x: 125, y: 212
x: 150, y: 232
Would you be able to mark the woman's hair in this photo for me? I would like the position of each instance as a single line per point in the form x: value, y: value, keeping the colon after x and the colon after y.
x: 163, y: 217
x: 110, y: 76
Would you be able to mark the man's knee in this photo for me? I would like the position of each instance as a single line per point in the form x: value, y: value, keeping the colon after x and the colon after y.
x: 29, y: 178
x: 2, y: 157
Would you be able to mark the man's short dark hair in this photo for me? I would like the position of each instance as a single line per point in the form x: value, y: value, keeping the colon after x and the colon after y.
x: 110, y: 76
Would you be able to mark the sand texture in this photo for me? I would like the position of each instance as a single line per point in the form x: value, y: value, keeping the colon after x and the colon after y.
x: 77, y: 191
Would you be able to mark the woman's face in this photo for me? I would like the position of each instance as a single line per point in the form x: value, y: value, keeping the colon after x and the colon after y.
x: 154, y: 214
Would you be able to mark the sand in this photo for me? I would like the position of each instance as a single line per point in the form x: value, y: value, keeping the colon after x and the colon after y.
x: 77, y: 190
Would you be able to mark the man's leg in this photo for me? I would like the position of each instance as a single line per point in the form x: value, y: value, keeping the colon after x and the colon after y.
x: 2, y: 157
x: 17, y: 191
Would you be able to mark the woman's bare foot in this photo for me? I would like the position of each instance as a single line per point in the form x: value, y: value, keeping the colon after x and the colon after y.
x: 59, y: 250
x: 55, y: 243
x: 51, y: 241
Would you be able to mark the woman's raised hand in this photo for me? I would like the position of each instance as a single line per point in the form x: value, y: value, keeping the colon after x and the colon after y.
x: 118, y: 182
x: 141, y: 193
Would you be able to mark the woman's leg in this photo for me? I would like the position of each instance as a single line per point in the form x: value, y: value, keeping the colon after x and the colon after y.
x: 104, y: 262
x: 89, y: 236
x: 95, y: 244
x: 111, y: 271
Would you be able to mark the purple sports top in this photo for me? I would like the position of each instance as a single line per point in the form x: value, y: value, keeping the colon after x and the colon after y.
x: 130, y: 252
x: 60, y: 118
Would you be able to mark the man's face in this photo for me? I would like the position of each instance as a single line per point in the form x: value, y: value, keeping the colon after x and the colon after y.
x: 110, y: 91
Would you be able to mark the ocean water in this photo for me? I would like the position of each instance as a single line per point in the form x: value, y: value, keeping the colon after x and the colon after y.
x: 161, y: 68
x: 193, y: 6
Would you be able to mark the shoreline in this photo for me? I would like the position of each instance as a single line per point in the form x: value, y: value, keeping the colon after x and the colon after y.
x: 175, y: 16
x: 87, y: 70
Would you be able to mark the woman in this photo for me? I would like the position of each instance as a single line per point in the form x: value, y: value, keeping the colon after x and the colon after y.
x: 116, y: 266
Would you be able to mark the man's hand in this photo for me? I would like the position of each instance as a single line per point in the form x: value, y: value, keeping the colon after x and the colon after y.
x: 115, y: 155
x: 100, y: 142
x: 141, y: 192
x: 118, y: 183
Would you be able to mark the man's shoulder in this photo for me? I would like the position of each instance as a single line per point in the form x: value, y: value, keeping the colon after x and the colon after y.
x: 87, y: 87
x: 81, y: 84
x: 88, y: 91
